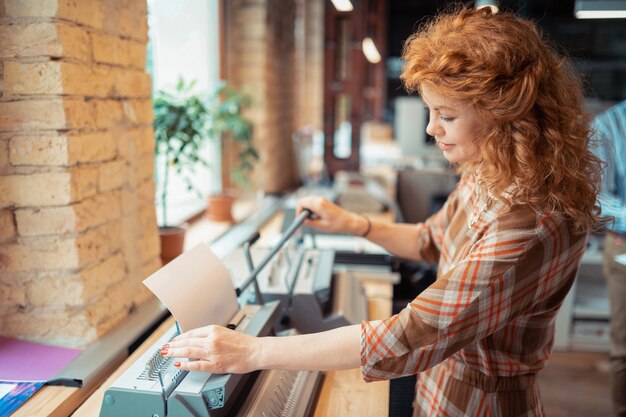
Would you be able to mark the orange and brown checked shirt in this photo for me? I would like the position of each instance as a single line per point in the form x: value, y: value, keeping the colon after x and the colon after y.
x: 478, y: 335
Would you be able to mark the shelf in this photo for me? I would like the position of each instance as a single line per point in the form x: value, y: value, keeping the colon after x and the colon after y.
x: 591, y: 335
x: 591, y: 298
x: 583, y: 321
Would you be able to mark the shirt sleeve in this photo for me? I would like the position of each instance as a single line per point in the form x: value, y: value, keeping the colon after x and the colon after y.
x: 613, y: 207
x: 432, y: 230
x: 607, y: 131
x: 504, y: 275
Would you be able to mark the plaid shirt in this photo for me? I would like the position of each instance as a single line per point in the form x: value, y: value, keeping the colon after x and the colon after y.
x: 479, y: 333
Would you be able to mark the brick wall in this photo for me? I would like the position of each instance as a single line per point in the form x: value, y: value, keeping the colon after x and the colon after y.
x: 78, y: 231
x: 287, y: 91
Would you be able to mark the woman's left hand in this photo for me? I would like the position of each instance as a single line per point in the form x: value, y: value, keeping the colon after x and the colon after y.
x: 214, y: 349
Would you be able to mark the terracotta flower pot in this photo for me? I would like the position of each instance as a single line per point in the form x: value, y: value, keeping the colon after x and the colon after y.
x: 219, y: 208
x: 172, y: 242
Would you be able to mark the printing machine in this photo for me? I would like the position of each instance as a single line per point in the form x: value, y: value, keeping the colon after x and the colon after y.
x: 314, y: 295
x: 299, y: 290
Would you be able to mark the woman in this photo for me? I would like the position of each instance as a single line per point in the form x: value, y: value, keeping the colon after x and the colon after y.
x: 507, y: 111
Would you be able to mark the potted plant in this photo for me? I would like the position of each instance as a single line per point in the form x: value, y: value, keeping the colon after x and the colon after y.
x: 180, y: 129
x: 183, y: 123
x: 226, y: 122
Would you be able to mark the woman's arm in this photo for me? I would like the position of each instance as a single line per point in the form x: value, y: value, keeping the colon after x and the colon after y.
x: 220, y: 350
x: 404, y: 240
x: 409, y: 241
x: 326, y: 351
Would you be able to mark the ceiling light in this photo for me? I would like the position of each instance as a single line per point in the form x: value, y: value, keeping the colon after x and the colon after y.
x: 492, y: 4
x: 343, y: 5
x: 370, y: 50
x: 600, y: 9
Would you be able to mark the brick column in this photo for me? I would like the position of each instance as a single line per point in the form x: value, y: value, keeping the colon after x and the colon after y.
x: 78, y: 229
x: 261, y: 61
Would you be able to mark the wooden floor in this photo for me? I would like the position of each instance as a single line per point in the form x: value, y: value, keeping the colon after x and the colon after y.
x: 576, y: 384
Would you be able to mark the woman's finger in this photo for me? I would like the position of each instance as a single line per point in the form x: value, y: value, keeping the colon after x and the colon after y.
x: 190, y: 352
x: 312, y: 203
x: 201, y: 365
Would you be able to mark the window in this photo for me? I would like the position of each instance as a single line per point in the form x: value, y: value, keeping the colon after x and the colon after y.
x: 183, y: 42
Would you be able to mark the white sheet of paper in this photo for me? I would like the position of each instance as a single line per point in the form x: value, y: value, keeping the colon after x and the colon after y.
x: 196, y: 288
x: 621, y: 259
x: 344, y: 242
x: 6, y: 388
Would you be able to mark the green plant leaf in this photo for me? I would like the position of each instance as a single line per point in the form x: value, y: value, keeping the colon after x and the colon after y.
x: 184, y: 120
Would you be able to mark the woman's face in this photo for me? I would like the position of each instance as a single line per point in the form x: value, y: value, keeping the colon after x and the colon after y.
x: 454, y: 127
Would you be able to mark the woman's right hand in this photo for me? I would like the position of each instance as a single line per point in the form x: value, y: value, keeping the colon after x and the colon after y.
x: 329, y: 217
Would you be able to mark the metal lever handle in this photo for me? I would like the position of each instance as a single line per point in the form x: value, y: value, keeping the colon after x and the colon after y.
x: 246, y: 247
x: 305, y: 214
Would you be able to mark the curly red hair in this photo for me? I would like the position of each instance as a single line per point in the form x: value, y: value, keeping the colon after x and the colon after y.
x: 535, y: 139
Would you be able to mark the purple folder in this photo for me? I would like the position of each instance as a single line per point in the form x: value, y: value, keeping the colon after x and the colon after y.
x: 24, y: 361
